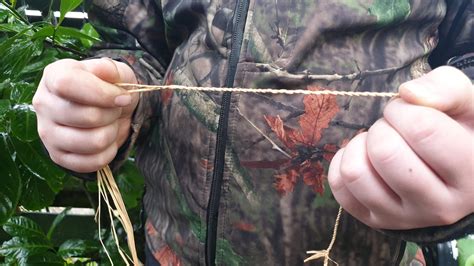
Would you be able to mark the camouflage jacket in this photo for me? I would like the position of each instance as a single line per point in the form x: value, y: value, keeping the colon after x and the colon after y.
x: 239, y: 179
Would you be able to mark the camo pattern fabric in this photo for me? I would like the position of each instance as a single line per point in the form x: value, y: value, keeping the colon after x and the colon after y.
x: 275, y: 202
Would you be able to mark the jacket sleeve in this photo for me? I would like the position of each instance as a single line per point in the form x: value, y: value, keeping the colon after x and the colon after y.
x: 133, y: 33
x: 455, y: 48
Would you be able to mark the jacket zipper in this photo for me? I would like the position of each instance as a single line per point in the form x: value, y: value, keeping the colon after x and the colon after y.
x: 221, y: 141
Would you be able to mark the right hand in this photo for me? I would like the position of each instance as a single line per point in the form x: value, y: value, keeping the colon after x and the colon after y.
x: 82, y: 117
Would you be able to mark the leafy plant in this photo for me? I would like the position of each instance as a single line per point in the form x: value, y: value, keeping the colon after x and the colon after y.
x: 465, y: 248
x: 31, y: 245
x: 29, y: 178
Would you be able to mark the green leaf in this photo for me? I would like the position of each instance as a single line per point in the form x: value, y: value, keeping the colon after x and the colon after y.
x: 33, y: 158
x: 36, y: 192
x: 67, y: 6
x: 57, y: 221
x: 22, y: 92
x: 43, y: 33
x: 3, y: 15
x: 31, y: 73
x: 45, y: 258
x: 16, y: 54
x: 466, y: 251
x: 22, y: 247
x: 78, y: 248
x: 131, y: 184
x: 10, y: 190
x: 89, y: 30
x: 9, y: 27
x: 23, y: 122
x: 5, y: 107
x: 23, y: 227
x: 75, y: 33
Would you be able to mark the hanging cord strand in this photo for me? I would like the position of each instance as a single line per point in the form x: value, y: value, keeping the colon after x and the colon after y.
x: 317, y: 254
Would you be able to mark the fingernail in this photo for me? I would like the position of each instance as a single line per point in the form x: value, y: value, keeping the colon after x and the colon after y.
x: 123, y: 100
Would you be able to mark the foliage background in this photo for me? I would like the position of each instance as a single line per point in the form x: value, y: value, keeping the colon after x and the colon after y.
x: 29, y: 178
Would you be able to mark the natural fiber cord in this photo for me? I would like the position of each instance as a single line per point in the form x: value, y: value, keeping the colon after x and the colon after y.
x: 107, y: 185
x: 145, y: 88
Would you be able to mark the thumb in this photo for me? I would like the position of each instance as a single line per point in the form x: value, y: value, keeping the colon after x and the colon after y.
x: 446, y: 89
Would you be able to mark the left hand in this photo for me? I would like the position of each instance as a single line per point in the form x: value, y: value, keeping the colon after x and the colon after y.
x: 415, y: 166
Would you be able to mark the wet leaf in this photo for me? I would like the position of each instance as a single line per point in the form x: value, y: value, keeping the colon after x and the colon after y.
x: 36, y: 192
x: 23, y: 122
x: 45, y: 258
x: 10, y: 190
x: 9, y: 27
x: 23, y: 227
x: 43, y: 33
x: 89, y: 31
x: 67, y: 6
x: 22, y: 92
x: 59, y: 218
x: 17, y: 52
x: 75, y: 33
x: 5, y: 107
x: 78, y: 248
x: 22, y: 247
x: 34, y: 159
x: 465, y: 248
x: 131, y: 184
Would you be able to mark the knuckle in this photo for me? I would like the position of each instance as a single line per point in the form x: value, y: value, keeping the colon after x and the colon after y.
x: 373, y: 221
x: 93, y: 117
x: 37, y: 102
x: 100, y: 140
x: 57, y: 158
x: 383, y: 153
x: 440, y: 209
x: 445, y: 215
x: 49, y: 69
x: 425, y: 127
x: 105, y: 158
x: 350, y: 172
x: 43, y: 133
x: 334, y: 182
x: 59, y: 84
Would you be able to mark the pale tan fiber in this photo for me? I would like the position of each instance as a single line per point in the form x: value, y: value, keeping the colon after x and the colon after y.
x: 146, y: 88
x: 317, y: 254
x: 108, y: 186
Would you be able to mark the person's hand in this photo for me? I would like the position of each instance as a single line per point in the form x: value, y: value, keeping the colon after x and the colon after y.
x: 82, y: 117
x: 415, y: 166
